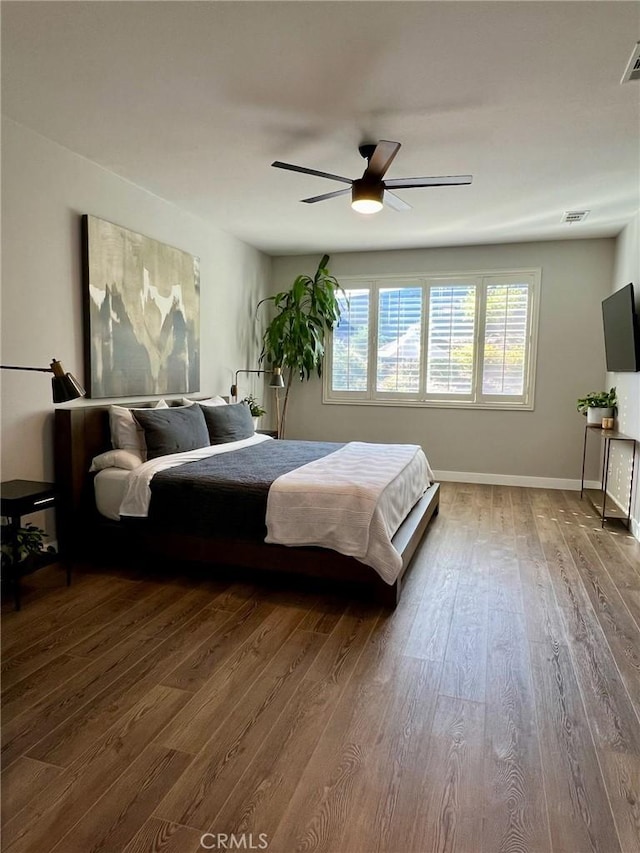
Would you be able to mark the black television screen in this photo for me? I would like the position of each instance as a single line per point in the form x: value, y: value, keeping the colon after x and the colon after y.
x: 621, y: 331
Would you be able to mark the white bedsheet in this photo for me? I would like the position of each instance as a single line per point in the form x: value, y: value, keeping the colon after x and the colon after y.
x: 351, y: 501
x: 138, y: 493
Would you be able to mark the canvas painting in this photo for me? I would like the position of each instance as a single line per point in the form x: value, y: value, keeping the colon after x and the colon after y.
x: 142, y: 314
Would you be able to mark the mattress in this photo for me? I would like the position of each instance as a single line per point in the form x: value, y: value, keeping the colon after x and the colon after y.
x: 109, y: 487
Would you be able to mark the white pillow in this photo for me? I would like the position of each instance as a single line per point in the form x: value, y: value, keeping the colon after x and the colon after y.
x: 127, y: 459
x: 211, y: 401
x: 126, y: 433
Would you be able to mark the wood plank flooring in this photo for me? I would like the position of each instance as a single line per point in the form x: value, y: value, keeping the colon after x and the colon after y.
x: 497, y: 710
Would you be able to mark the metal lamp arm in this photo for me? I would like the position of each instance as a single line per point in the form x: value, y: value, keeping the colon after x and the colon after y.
x: 38, y: 369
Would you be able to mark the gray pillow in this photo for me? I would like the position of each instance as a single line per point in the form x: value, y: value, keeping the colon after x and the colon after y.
x: 228, y: 423
x: 173, y: 430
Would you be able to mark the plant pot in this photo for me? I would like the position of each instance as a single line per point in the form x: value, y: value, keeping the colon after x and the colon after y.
x: 595, y: 415
x: 256, y: 423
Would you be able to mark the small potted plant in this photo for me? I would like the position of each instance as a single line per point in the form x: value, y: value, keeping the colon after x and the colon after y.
x: 30, y: 545
x: 597, y: 405
x: 255, y: 408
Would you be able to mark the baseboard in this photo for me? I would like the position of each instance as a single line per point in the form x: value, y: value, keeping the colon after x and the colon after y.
x: 514, y: 480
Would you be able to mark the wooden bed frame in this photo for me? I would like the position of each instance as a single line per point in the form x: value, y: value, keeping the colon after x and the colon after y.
x: 82, y: 432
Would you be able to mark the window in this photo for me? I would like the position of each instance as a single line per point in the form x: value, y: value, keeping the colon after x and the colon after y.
x: 454, y: 340
x: 351, y: 342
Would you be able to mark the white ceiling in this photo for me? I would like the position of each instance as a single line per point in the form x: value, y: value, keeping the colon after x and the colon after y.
x: 194, y: 100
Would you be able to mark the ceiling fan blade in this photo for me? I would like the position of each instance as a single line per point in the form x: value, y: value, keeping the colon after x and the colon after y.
x: 381, y: 159
x: 442, y: 181
x: 306, y: 171
x: 395, y: 201
x: 325, y: 196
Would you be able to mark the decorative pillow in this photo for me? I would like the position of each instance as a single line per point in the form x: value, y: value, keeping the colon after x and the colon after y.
x: 211, y: 401
x: 228, y: 423
x: 172, y: 430
x: 127, y: 459
x: 126, y: 434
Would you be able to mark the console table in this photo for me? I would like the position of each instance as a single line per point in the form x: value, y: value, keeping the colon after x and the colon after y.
x: 607, y: 435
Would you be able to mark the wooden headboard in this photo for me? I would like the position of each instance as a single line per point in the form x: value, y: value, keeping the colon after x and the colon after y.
x: 81, y: 432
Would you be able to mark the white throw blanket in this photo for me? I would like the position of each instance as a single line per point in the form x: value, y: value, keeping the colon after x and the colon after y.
x: 351, y: 501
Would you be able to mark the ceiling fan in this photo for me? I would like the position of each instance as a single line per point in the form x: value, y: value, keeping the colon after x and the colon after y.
x: 368, y: 192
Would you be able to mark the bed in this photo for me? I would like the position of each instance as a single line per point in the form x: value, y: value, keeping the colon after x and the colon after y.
x: 87, y: 527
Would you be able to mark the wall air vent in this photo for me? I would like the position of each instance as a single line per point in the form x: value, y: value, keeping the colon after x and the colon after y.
x: 632, y: 71
x: 574, y: 215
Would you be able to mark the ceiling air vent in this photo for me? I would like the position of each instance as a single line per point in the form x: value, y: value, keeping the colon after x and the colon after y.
x: 574, y: 215
x: 632, y: 71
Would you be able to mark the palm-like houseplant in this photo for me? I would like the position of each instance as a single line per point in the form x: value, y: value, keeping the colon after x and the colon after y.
x: 295, y: 338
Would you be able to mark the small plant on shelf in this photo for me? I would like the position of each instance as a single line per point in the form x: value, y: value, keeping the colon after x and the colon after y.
x: 254, y: 407
x: 30, y: 543
x: 597, y: 400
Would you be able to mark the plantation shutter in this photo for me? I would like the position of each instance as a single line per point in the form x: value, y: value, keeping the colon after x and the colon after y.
x: 505, y: 339
x: 451, y: 339
x: 350, y: 344
x: 399, y: 340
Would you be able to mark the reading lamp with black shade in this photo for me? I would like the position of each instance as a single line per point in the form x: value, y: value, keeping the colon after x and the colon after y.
x: 64, y: 386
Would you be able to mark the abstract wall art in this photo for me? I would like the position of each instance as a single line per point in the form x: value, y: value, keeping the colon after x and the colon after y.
x: 141, y: 313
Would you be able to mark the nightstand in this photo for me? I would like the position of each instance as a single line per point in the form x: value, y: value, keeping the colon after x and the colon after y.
x: 23, y: 497
x: 272, y: 432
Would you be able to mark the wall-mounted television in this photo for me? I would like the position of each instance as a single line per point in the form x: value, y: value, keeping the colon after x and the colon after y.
x: 621, y: 331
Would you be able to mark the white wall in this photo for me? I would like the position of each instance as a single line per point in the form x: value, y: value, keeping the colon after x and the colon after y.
x: 45, y: 189
x: 544, y: 443
x: 627, y: 269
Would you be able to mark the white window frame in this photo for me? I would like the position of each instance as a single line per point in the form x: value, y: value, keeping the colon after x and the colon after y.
x: 477, y: 400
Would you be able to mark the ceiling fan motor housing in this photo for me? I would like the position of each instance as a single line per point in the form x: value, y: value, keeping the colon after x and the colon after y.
x: 366, y: 149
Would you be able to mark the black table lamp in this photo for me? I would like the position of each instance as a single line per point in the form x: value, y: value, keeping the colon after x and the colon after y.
x: 64, y: 385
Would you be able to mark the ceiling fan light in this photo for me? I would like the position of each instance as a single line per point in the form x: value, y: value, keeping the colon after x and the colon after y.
x: 366, y: 197
x: 366, y: 205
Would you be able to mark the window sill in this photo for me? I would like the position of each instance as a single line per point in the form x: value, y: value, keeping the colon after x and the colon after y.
x: 432, y: 404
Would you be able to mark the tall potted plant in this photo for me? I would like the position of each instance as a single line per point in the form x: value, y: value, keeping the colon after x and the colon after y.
x: 294, y: 339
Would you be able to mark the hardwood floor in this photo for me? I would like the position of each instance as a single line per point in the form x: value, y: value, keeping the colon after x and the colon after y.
x: 495, y: 711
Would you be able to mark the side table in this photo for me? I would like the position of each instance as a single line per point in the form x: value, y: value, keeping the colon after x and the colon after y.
x: 23, y: 497
x: 600, y: 504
